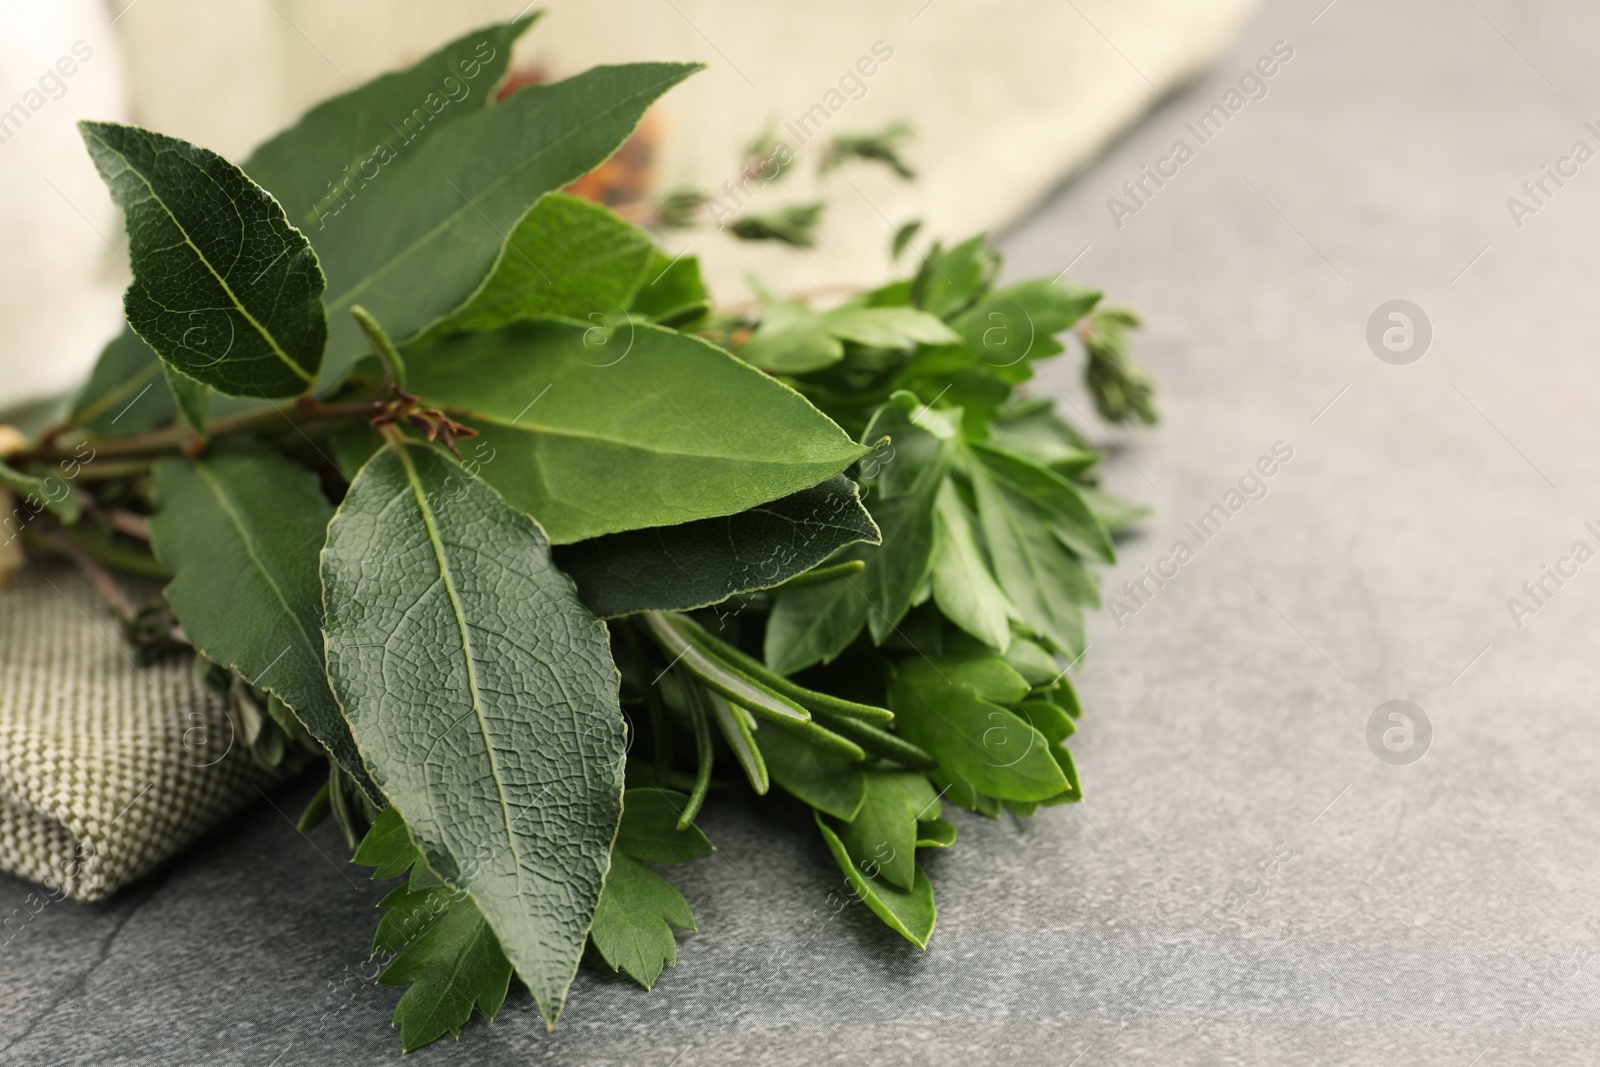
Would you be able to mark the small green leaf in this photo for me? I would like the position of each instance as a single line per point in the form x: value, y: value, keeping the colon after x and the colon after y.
x: 816, y: 623
x: 973, y: 738
x: 1069, y: 515
x: 963, y: 587
x: 224, y: 288
x: 909, y: 914
x: 794, y: 340
x: 949, y: 282
x: 935, y: 833
x: 673, y: 294
x: 883, y: 835
x: 387, y: 847
x: 1054, y: 724
x: 1036, y: 665
x: 649, y: 829
x: 567, y: 258
x: 827, y: 783
x: 1117, y: 514
x: 794, y: 225
x: 631, y: 924
x: 1045, y: 581
x: 695, y: 564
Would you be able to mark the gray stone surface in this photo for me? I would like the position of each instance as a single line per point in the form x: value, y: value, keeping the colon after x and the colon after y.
x: 1247, y: 882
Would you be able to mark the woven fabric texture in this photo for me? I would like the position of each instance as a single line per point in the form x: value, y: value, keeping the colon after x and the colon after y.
x: 107, y: 767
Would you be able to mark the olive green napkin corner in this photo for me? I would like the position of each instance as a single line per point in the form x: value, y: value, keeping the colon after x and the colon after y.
x: 107, y: 767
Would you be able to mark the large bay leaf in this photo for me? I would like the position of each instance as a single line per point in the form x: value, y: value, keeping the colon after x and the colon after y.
x: 418, y: 240
x: 224, y: 288
x: 241, y: 531
x: 694, y: 564
x: 328, y: 157
x: 640, y: 427
x: 484, y: 700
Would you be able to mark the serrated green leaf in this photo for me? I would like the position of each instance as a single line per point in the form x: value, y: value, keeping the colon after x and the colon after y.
x: 1069, y: 515
x: 649, y: 829
x: 950, y: 281
x: 1045, y: 581
x: 631, y: 925
x: 795, y: 340
x: 963, y: 586
x: 484, y: 700
x: 1117, y: 514
x: 567, y: 258
x: 241, y: 530
x: 452, y: 964
x: 387, y: 847
x: 224, y: 288
x: 695, y: 564
x: 882, y: 837
x: 814, y: 624
x: 328, y: 157
x: 1032, y: 429
x: 829, y: 784
x: 974, y: 739
x: 419, y: 240
x: 648, y: 430
x: 909, y: 914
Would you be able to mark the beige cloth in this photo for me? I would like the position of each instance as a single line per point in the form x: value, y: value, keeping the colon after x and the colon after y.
x: 106, y: 767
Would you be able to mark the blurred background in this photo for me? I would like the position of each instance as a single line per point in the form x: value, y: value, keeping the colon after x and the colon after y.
x: 1004, y: 100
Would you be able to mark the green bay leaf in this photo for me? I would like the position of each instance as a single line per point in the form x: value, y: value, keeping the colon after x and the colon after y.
x: 695, y: 564
x: 330, y: 154
x: 241, y: 531
x: 650, y: 428
x: 484, y: 700
x: 567, y: 258
x: 418, y: 241
x: 224, y: 288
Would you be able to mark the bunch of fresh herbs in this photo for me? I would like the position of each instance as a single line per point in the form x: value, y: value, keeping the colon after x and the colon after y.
x: 453, y: 476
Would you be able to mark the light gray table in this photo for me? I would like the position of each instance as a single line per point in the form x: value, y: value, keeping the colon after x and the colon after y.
x: 1247, y: 882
